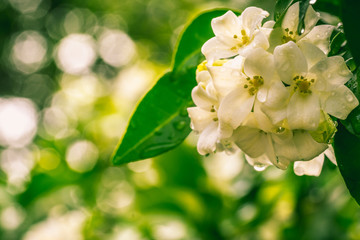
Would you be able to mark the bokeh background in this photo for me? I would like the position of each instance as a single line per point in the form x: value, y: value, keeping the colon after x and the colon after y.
x: 71, y: 73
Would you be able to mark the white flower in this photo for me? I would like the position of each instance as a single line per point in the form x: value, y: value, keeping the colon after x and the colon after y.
x: 273, y: 103
x: 204, y: 117
x: 317, y: 35
x: 254, y: 139
x: 315, y: 89
x: 233, y: 35
x: 253, y: 84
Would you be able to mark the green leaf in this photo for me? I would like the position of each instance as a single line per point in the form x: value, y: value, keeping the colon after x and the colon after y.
x: 347, y: 152
x: 160, y: 121
x: 351, y: 19
x: 352, y: 122
x: 337, y: 42
x: 304, y: 4
x: 329, y: 6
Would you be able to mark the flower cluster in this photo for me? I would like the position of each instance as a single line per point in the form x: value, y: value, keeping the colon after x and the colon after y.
x: 271, y: 92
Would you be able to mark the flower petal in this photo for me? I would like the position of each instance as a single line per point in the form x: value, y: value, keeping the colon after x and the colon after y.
x: 303, y: 111
x: 251, y: 141
x: 311, y: 168
x: 312, y: 53
x: 200, y: 119
x: 225, y: 79
x: 291, y: 18
x: 259, y: 63
x: 311, y: 18
x: 260, y: 163
x: 226, y: 25
x: 276, y: 102
x: 251, y: 18
x: 330, y: 154
x: 207, y: 140
x: 320, y: 36
x: 278, y: 95
x: 306, y: 146
x: 235, y: 107
x: 331, y: 72
x: 262, y: 121
x: 214, y: 49
x: 284, y: 145
x: 341, y: 102
x: 202, y: 99
x: 260, y: 40
x: 289, y: 61
x: 203, y: 77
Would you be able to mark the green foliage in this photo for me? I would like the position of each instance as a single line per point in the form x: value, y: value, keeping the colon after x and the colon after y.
x: 329, y: 6
x: 352, y: 123
x: 160, y: 122
x: 347, y: 151
x: 351, y: 19
x: 347, y: 141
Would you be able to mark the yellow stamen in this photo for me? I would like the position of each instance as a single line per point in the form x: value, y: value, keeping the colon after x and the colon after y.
x: 254, y: 84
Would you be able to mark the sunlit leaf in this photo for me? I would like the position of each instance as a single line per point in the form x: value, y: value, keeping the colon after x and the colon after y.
x: 347, y: 151
x: 161, y: 122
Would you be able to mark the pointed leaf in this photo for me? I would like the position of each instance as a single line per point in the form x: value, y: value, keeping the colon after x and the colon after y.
x: 160, y: 121
x: 347, y: 152
x: 351, y: 19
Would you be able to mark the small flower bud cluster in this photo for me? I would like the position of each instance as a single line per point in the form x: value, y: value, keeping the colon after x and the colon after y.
x: 270, y: 92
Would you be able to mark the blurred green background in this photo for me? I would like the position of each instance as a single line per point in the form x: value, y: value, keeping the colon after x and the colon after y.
x: 71, y: 73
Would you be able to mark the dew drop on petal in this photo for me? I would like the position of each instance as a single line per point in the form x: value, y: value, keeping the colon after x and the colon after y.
x: 322, y: 66
x: 349, y: 98
x: 259, y: 167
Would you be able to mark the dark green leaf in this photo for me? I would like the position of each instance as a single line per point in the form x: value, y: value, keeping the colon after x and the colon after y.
x: 351, y: 19
x: 337, y: 42
x: 352, y: 122
x: 347, y: 152
x: 160, y: 121
x: 329, y: 6
x: 304, y: 4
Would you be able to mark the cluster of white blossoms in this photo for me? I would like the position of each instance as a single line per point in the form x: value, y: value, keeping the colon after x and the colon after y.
x: 269, y: 91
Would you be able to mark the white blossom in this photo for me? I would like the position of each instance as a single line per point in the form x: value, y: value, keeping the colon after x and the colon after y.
x: 276, y: 104
x: 317, y: 35
x: 234, y: 35
x: 315, y: 89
